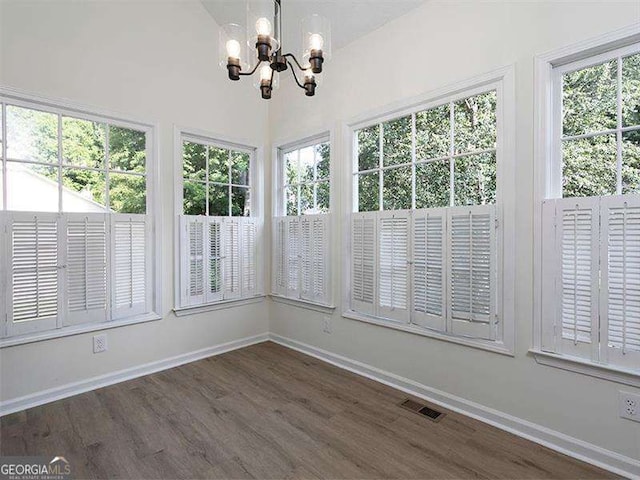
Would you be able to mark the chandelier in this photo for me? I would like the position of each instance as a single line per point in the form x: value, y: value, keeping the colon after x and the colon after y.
x: 258, y: 48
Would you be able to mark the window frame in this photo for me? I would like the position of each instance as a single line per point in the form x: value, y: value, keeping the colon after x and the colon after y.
x: 279, y: 209
x: 548, y: 176
x: 61, y: 107
x: 501, y: 80
x: 256, y: 186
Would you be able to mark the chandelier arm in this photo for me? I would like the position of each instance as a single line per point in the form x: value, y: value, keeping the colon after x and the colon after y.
x: 295, y: 60
x: 252, y: 71
x: 295, y: 77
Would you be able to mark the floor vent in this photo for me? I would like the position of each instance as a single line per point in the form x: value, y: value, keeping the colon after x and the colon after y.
x: 421, y: 409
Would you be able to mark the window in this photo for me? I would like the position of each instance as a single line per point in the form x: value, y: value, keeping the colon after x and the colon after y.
x: 590, y: 235
x: 77, y: 236
x: 301, y: 255
x: 425, y: 227
x: 219, y: 238
x: 438, y: 157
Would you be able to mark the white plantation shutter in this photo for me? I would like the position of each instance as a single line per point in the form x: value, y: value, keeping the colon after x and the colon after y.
x: 293, y: 257
x: 193, y: 246
x: 280, y: 256
x: 249, y: 257
x: 472, y: 271
x: 620, y: 271
x: 314, y: 259
x: 363, y: 266
x: 231, y: 258
x: 35, y: 278
x: 393, y: 265
x: 429, y: 268
x: 213, y: 262
x: 86, y: 268
x: 130, y: 272
x: 571, y: 274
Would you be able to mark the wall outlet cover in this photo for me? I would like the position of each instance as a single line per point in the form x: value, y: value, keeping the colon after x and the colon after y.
x: 326, y: 324
x: 100, y: 343
x: 629, y: 406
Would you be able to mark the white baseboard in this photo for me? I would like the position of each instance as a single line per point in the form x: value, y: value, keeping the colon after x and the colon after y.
x: 70, y: 389
x: 560, y: 442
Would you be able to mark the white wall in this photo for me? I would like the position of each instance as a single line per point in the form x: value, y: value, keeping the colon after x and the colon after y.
x: 440, y: 43
x: 153, y: 61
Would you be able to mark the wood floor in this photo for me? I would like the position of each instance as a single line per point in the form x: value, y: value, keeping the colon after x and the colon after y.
x: 269, y: 412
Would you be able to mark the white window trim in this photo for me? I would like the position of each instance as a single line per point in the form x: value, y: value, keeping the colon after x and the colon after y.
x: 154, y: 208
x: 280, y: 146
x: 503, y: 81
x: 548, y: 185
x: 256, y: 184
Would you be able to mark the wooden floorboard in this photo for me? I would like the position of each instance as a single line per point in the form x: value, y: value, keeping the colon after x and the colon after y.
x: 269, y: 412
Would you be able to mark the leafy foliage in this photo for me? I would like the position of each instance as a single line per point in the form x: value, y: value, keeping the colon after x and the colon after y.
x: 306, y: 172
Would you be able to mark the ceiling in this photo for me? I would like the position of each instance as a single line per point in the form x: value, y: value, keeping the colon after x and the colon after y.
x: 350, y: 19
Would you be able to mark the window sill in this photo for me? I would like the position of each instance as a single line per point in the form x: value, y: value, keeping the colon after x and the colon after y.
x: 488, y: 345
x: 76, y: 330
x: 300, y: 303
x: 210, y: 307
x: 579, y: 365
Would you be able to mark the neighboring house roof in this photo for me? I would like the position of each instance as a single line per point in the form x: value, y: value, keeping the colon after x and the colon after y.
x: 29, y: 191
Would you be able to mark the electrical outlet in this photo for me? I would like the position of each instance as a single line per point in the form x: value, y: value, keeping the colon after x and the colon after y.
x: 629, y: 405
x: 326, y: 324
x: 100, y: 343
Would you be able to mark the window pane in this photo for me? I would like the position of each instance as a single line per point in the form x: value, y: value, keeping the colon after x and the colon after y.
x: 240, y: 202
x: 127, y: 193
x: 218, y: 200
x: 291, y: 199
x: 631, y: 90
x: 323, y: 151
x: 432, y: 184
x: 307, y: 161
x: 433, y: 133
x: 194, y: 161
x: 32, y: 135
x: 323, y: 196
x: 240, y: 168
x: 24, y: 179
x: 291, y: 167
x: 218, y: 165
x: 475, y: 123
x: 474, y: 179
x: 368, y: 193
x: 397, y: 141
x: 127, y: 150
x: 369, y: 148
x: 83, y: 190
x: 589, y: 166
x: 589, y: 99
x: 631, y: 162
x: 195, y: 198
x: 82, y: 143
x: 306, y: 200
x: 396, y: 188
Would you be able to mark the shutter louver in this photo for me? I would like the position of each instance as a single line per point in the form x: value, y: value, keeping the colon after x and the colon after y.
x: 214, y: 265
x: 320, y: 256
x: 620, y: 295
x: 192, y: 259
x: 293, y: 257
x: 306, y: 258
x: 231, y: 259
x: 472, y: 269
x: 34, y: 273
x: 429, y: 241
x: 363, y: 254
x: 280, y: 259
x: 249, y: 257
x: 86, y: 259
x: 393, y: 270
x: 129, y: 235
